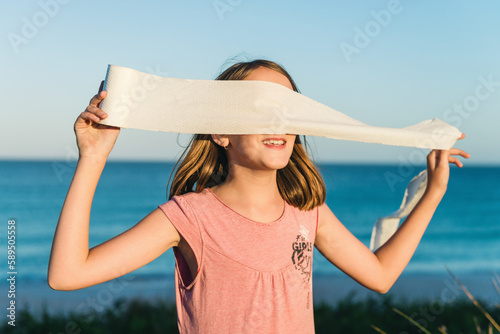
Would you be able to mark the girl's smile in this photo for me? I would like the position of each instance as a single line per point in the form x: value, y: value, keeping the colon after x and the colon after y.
x: 277, y: 143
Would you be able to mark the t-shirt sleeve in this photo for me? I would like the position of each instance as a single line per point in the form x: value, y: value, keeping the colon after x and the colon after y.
x: 179, y: 212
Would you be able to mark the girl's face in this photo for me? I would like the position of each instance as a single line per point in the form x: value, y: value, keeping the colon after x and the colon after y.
x: 262, y: 151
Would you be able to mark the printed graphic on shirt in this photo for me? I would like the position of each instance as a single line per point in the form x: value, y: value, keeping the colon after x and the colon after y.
x: 302, y: 255
x: 302, y: 260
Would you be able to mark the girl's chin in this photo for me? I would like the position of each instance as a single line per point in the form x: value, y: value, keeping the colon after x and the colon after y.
x: 277, y: 165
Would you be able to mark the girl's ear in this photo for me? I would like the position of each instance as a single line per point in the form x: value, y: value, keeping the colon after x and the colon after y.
x: 221, y: 140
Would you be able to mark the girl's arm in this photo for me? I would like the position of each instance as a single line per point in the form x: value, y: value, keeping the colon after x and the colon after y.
x: 72, y: 265
x: 378, y: 271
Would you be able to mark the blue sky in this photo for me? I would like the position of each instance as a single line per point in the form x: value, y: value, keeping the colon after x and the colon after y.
x: 386, y: 63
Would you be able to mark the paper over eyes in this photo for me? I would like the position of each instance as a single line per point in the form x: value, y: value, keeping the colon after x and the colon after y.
x: 145, y: 101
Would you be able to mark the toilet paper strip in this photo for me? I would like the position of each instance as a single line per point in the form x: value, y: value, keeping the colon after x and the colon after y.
x: 386, y: 226
x: 145, y: 101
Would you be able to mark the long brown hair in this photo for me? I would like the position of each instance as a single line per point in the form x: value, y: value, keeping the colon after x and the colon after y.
x: 204, y: 164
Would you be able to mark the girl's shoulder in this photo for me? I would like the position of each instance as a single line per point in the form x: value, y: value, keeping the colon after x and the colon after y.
x: 193, y: 194
x: 192, y: 198
x: 188, y: 207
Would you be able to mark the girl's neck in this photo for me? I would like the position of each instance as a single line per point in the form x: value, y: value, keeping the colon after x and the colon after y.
x: 251, y: 187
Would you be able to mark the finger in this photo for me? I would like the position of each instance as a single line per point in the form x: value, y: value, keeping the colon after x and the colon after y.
x: 88, y: 116
x: 455, y: 161
x: 98, y: 98
x: 96, y: 111
x: 462, y: 136
x: 456, y: 151
x: 431, y: 160
x: 103, y: 95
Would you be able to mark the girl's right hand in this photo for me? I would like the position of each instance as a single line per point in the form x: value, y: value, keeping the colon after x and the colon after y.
x: 95, y: 139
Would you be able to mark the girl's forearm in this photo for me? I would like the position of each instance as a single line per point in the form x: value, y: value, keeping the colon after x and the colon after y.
x: 395, y: 254
x: 70, y: 247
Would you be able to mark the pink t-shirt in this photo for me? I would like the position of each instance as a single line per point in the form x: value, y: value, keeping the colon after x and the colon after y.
x: 252, y: 277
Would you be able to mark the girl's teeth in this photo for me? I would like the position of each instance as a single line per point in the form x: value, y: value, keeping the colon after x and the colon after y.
x: 274, y: 142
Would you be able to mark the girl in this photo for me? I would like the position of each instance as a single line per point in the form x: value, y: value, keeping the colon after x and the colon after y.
x: 243, y: 215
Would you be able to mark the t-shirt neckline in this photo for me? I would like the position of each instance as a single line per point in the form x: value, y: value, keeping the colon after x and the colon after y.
x: 285, y: 209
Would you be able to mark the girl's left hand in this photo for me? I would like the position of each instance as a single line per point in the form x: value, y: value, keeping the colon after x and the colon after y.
x: 438, y: 169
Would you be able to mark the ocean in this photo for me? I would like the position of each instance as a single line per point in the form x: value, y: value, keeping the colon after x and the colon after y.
x: 464, y: 234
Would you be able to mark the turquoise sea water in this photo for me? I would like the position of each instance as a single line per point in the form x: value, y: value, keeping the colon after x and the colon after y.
x: 464, y: 234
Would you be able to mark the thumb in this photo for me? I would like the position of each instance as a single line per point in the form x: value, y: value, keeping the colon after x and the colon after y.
x: 431, y: 160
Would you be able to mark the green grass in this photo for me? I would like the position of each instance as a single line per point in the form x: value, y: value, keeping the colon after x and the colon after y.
x: 124, y: 317
x: 351, y: 316
x: 347, y: 316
